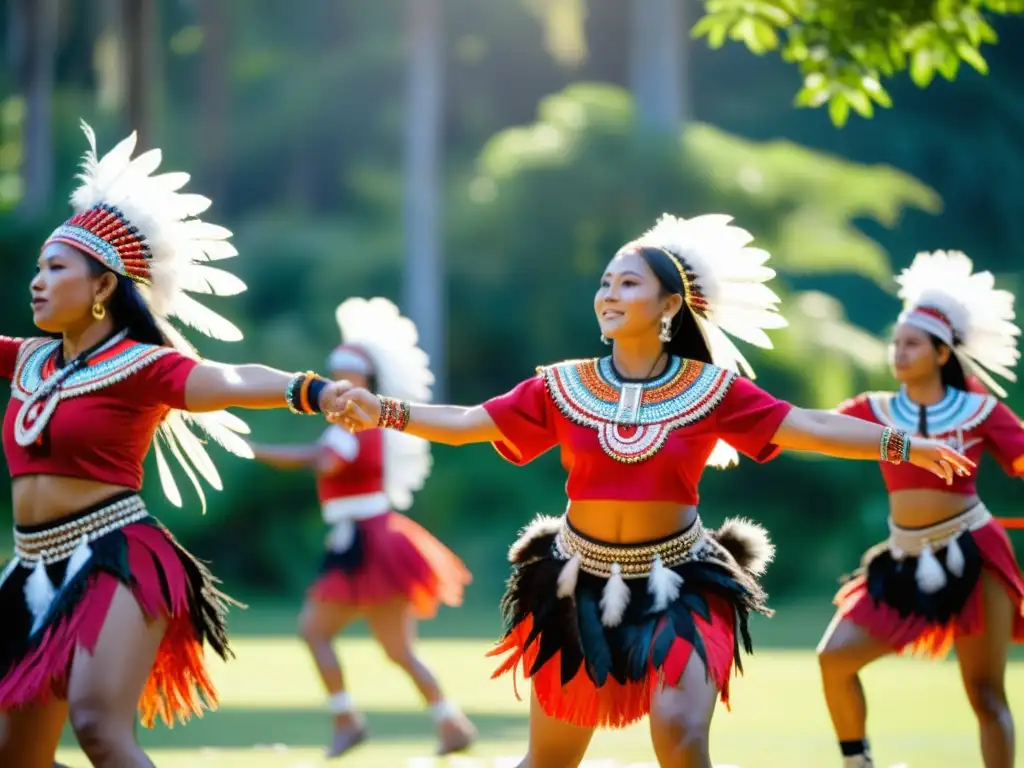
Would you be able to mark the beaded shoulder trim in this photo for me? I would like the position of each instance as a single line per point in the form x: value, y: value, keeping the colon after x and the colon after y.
x: 590, y: 393
x: 958, y: 411
x: 34, y: 354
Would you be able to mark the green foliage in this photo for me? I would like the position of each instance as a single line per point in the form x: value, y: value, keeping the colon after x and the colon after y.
x: 846, y: 49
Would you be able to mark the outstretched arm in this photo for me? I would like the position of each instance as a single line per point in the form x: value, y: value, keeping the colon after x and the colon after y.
x: 215, y: 386
x: 287, y: 456
x: 846, y: 437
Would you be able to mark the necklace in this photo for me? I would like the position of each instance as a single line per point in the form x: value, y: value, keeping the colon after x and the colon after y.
x: 631, y: 395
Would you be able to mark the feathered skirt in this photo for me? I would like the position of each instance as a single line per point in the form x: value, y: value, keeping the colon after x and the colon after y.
x: 379, y: 557
x: 57, y: 590
x: 921, y: 589
x: 598, y: 627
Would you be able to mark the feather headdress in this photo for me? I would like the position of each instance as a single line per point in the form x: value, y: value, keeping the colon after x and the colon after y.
x: 943, y: 296
x: 724, y: 287
x: 140, y: 225
x: 378, y: 340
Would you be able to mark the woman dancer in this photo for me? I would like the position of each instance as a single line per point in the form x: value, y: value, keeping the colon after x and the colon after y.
x: 379, y: 564
x: 947, y: 576
x: 627, y: 605
x: 104, y: 613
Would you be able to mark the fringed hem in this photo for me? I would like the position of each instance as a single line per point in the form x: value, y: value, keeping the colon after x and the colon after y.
x: 883, y: 599
x: 165, y: 579
x: 393, y: 556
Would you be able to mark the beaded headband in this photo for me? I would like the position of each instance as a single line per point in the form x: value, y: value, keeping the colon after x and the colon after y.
x: 106, y: 234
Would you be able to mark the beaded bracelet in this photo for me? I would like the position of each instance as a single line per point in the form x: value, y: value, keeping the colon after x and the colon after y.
x: 303, y: 393
x: 894, y: 446
x: 394, y: 414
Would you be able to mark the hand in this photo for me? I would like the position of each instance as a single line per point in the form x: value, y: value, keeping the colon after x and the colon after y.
x: 332, y: 397
x: 356, y: 410
x: 939, y: 459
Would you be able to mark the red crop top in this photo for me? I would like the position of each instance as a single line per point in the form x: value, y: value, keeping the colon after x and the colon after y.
x: 968, y: 421
x: 361, y: 469
x: 108, y: 412
x: 675, y: 424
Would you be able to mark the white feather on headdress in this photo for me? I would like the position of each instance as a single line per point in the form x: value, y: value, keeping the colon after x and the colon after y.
x: 180, y: 247
x: 981, y: 316
x: 402, y: 369
x: 728, y: 292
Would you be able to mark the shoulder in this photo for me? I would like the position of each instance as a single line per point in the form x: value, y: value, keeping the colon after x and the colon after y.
x: 868, y: 405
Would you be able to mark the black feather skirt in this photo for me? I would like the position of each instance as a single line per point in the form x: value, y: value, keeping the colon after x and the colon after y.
x: 596, y: 651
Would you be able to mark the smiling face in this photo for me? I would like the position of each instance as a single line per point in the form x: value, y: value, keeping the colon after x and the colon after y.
x: 631, y: 301
x: 65, y: 288
x: 913, y: 356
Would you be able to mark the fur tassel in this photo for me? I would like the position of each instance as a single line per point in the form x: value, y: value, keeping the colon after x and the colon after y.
x: 39, y: 593
x: 663, y: 584
x: 955, y: 558
x: 8, y: 570
x: 930, y: 575
x: 78, y: 560
x: 614, y: 598
x: 567, y: 577
x: 540, y: 527
x: 748, y: 543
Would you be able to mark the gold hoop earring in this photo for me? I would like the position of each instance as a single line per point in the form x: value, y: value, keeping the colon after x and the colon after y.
x: 605, y: 339
x: 98, y: 310
x: 665, y: 334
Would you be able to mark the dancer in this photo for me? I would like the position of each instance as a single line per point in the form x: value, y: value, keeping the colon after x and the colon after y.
x: 104, y: 613
x: 379, y: 564
x: 947, y: 576
x: 627, y: 605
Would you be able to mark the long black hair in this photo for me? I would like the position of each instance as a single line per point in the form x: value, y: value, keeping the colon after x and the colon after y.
x: 128, y: 310
x: 952, y: 372
x: 687, y: 339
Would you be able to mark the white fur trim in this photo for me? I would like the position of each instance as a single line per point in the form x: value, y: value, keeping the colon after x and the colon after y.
x: 614, y: 598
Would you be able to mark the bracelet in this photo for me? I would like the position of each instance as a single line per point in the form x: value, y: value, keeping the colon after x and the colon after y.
x: 394, y: 414
x: 303, y: 393
x: 894, y: 446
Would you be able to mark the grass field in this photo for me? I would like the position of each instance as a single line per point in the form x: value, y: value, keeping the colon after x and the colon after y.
x: 271, y: 714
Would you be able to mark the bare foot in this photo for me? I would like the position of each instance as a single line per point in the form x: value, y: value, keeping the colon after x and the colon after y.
x: 349, y: 731
x: 456, y: 734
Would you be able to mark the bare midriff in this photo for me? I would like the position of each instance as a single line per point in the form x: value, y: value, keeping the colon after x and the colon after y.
x: 40, y: 499
x: 920, y: 508
x: 630, y: 522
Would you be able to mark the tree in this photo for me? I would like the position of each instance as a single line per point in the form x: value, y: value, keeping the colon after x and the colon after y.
x: 845, y: 49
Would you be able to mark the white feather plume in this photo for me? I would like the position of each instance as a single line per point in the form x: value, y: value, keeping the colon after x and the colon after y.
x: 982, y: 316
x: 730, y: 275
x: 402, y: 371
x: 180, y: 247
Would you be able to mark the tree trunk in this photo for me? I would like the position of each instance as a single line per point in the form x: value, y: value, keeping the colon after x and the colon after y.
x: 424, y: 284
x: 139, y: 27
x: 659, y: 38
x: 39, y: 19
x: 214, y: 94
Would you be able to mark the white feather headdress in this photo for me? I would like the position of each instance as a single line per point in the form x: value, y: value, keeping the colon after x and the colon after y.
x: 724, y: 287
x: 375, y: 328
x: 140, y: 225
x: 943, y: 296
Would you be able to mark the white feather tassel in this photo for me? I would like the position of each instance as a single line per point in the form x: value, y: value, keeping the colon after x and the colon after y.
x: 78, y: 560
x: 663, y: 584
x: 614, y: 598
x: 39, y: 593
x: 568, y: 577
x: 955, y: 557
x: 929, y: 574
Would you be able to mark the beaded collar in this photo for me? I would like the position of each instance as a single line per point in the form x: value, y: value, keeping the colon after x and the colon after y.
x: 41, y: 386
x: 590, y: 393
x: 957, y: 411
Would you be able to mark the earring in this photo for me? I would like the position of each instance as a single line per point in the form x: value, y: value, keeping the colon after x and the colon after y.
x: 605, y: 339
x: 665, y: 334
x: 98, y: 310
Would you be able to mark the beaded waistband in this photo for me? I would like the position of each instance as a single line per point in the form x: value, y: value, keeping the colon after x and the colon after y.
x: 635, y: 561
x: 55, y: 543
x: 913, y: 541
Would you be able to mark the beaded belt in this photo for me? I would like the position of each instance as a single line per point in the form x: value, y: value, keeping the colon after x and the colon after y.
x: 57, y: 543
x: 635, y: 562
x: 913, y: 541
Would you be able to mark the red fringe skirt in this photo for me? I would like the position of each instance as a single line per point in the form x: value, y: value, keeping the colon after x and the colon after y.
x: 885, y: 596
x: 590, y: 674
x: 50, y: 612
x: 392, y: 556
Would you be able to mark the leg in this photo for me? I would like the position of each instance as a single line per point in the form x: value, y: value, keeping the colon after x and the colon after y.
x: 105, y: 687
x: 394, y: 627
x: 681, y: 719
x: 29, y: 735
x: 842, y: 653
x: 983, y: 668
x: 553, y: 743
x: 319, y: 622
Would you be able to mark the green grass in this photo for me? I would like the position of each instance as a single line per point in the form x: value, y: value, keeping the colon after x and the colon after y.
x: 271, y: 714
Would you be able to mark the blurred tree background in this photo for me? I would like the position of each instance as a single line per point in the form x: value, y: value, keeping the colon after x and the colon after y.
x: 478, y: 162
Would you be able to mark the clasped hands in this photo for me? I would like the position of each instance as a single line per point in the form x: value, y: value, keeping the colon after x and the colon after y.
x: 354, y: 408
